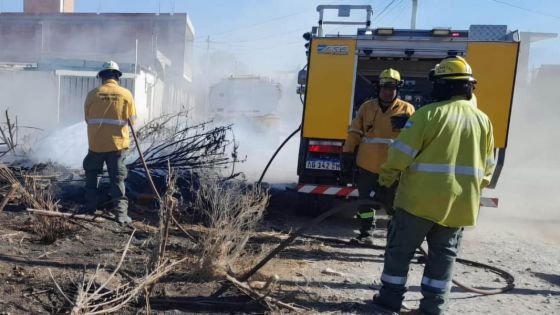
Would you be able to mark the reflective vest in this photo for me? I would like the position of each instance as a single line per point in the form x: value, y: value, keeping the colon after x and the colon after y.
x: 444, y: 157
x: 371, y: 132
x: 107, y: 110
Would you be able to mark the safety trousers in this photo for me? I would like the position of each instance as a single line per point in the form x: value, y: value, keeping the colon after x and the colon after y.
x: 406, y: 234
x: 367, y: 182
x: 93, y: 167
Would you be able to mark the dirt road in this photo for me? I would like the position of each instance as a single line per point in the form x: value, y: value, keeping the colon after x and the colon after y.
x: 534, y: 262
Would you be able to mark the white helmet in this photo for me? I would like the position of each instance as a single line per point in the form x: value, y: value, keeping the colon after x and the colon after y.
x: 110, y: 66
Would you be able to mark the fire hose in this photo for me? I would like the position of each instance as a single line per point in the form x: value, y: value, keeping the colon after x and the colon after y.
x: 144, y: 165
x: 508, y: 277
x: 300, y: 233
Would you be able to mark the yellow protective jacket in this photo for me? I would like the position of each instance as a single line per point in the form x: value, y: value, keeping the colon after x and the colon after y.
x: 107, y: 109
x: 372, y: 132
x: 444, y: 157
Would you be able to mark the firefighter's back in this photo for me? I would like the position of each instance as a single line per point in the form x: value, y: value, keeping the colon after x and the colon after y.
x: 451, y: 162
x: 107, y: 109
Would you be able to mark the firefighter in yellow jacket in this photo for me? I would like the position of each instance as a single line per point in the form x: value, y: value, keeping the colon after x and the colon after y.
x: 376, y: 124
x: 442, y: 159
x: 107, y: 111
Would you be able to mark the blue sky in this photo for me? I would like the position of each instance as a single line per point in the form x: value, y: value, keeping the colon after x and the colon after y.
x: 266, y: 34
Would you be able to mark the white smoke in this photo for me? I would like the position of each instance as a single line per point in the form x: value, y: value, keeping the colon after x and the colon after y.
x: 67, y: 146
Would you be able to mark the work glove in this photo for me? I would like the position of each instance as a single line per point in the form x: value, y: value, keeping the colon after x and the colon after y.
x: 386, y: 196
x: 398, y: 122
x: 347, y: 166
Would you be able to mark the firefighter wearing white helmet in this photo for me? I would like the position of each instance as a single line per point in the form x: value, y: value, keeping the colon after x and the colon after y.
x: 376, y: 124
x: 443, y: 158
x: 110, y: 66
x: 108, y: 108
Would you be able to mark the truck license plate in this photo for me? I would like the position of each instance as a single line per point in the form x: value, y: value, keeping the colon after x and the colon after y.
x: 323, y: 165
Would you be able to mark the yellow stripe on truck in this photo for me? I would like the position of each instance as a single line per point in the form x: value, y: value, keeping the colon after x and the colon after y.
x: 494, y: 66
x: 330, y: 88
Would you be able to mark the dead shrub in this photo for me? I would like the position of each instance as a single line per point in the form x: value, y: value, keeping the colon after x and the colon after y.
x: 47, y: 228
x: 50, y: 229
x: 231, y: 211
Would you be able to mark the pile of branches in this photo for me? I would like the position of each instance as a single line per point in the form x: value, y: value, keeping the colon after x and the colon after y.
x: 170, y: 140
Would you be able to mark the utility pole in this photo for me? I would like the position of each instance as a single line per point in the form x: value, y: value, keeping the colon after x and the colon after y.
x: 208, y: 52
x: 208, y: 45
x: 413, y: 15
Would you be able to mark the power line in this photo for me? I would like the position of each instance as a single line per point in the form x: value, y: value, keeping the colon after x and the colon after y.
x: 255, y: 24
x: 237, y: 48
x: 401, y: 11
x: 527, y: 9
x: 273, y: 19
x: 270, y: 36
x: 384, y: 9
x: 267, y: 37
x: 236, y: 43
x: 392, y: 8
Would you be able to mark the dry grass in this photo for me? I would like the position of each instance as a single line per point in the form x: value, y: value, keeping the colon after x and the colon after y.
x: 47, y: 228
x: 102, y: 292
x: 35, y: 191
x: 231, y: 211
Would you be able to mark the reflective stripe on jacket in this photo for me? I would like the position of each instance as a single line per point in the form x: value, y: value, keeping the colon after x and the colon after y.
x: 371, y: 132
x: 444, y: 157
x: 107, y: 110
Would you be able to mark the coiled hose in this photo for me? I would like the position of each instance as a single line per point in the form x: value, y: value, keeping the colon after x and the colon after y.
x: 508, y: 277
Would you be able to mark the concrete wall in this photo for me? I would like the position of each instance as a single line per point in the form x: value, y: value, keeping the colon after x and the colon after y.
x: 48, y: 6
x: 38, y: 101
x: 76, y: 42
x: 32, y: 38
x: 31, y: 96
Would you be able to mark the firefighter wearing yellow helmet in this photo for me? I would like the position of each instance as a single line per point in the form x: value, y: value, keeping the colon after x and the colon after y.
x: 108, y: 108
x: 376, y: 124
x: 442, y: 158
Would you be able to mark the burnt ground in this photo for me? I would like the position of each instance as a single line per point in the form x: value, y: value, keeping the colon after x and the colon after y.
x: 323, y: 273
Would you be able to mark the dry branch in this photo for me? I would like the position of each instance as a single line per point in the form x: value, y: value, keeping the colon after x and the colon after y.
x: 281, y: 246
x: 66, y: 215
x: 8, y: 196
x: 245, y: 288
x: 107, y: 299
x: 8, y: 135
x: 7, y: 176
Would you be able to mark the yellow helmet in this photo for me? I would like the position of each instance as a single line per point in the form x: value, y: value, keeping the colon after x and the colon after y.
x: 390, y: 77
x: 452, y: 68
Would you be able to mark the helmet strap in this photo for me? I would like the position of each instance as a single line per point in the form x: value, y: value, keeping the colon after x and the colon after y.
x: 108, y: 75
x: 444, y: 90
